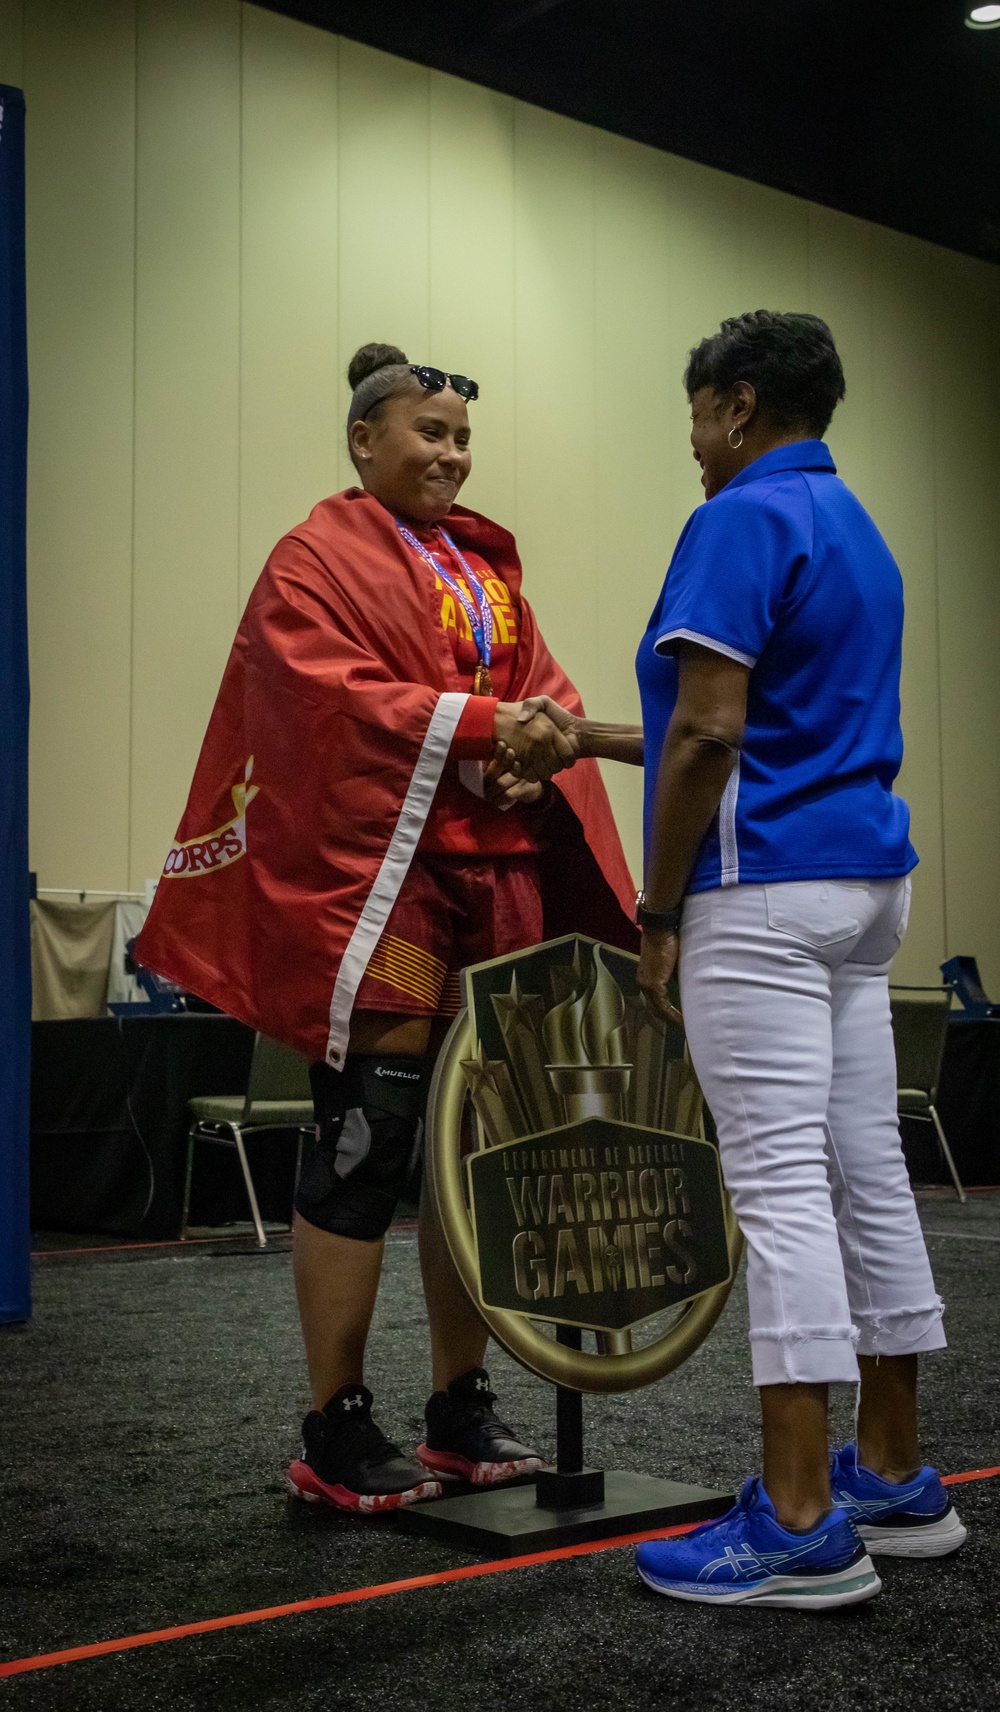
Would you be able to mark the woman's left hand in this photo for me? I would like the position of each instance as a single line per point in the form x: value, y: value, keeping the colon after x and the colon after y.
x: 503, y: 785
x: 657, y: 962
x: 523, y: 792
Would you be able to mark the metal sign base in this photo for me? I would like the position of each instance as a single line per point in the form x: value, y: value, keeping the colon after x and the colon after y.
x: 565, y: 1505
x: 509, y: 1522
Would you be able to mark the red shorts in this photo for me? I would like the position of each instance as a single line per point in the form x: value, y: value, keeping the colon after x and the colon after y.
x: 451, y: 911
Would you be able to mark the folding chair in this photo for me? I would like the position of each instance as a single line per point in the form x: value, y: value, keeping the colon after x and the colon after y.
x: 920, y: 1030
x: 277, y: 1097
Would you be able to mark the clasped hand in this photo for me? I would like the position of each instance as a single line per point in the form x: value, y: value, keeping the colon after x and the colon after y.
x: 534, y: 739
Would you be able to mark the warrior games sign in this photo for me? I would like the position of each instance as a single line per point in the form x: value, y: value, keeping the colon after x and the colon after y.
x: 590, y: 1205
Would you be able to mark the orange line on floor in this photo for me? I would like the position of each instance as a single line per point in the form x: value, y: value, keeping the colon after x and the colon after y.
x: 946, y: 1188
x: 187, y: 1242
x: 172, y: 1242
x: 354, y: 1595
x: 973, y: 1474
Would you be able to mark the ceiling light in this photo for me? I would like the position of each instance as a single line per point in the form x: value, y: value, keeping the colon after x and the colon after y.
x: 983, y: 18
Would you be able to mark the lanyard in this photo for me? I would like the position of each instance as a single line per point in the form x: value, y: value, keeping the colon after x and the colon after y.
x: 480, y: 616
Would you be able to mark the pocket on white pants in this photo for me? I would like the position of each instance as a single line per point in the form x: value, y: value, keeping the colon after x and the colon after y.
x: 884, y: 936
x: 815, y: 912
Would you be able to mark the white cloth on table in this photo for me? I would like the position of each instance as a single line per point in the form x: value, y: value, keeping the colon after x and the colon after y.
x: 122, y: 987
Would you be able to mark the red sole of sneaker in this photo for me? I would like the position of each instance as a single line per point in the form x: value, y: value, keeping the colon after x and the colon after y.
x: 304, y: 1483
x: 449, y: 1467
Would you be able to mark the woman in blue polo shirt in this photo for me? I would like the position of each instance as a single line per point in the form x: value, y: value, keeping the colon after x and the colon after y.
x: 769, y: 677
x: 776, y: 871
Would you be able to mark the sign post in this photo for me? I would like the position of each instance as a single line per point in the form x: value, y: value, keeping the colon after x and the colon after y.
x: 584, y: 1200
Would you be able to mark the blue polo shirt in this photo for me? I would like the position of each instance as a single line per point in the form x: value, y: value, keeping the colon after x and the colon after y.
x: 785, y: 571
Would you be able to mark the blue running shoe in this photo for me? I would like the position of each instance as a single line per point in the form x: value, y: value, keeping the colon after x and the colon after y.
x: 747, y: 1557
x: 913, y: 1519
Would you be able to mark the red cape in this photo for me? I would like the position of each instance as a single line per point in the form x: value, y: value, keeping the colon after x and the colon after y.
x: 322, y: 755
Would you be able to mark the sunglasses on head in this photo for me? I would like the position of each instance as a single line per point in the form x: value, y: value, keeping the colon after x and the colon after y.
x: 435, y: 380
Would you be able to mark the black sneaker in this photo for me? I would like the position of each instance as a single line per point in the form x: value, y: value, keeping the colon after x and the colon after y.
x: 348, y: 1462
x: 465, y: 1441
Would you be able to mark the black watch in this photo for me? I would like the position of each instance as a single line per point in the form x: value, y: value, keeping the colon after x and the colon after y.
x: 661, y: 921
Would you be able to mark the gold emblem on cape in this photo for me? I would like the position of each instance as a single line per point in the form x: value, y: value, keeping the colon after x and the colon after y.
x: 216, y: 849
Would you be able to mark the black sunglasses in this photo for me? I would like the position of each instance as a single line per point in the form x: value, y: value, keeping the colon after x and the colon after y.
x: 435, y: 380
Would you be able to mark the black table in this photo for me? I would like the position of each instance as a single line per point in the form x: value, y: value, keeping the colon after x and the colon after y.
x: 109, y: 1123
x: 109, y: 1126
x: 969, y: 1101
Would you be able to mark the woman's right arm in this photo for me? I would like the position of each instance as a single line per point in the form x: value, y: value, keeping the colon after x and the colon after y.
x: 610, y: 742
x: 594, y: 738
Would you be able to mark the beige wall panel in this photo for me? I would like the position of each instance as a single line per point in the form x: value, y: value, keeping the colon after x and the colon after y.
x: 290, y: 395
x: 638, y: 392
x: 555, y: 428
x: 472, y: 274
x: 774, y: 232
x: 734, y: 247
x: 384, y: 209
x: 702, y: 211
x: 968, y: 518
x: 842, y: 292
x: 11, y: 42
x: 187, y: 398
x: 638, y: 399
x: 80, y: 66
x: 903, y: 508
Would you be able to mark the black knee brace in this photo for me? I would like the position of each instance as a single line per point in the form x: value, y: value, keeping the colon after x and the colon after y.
x: 370, y: 1119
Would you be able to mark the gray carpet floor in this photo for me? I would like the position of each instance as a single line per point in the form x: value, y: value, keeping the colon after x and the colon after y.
x: 152, y: 1404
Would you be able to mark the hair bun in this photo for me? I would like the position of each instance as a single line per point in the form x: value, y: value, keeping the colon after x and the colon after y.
x: 372, y: 357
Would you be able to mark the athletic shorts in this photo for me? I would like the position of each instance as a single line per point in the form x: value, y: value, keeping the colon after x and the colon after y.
x: 451, y: 911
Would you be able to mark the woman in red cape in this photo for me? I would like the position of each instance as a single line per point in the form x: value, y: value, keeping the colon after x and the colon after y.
x: 350, y: 844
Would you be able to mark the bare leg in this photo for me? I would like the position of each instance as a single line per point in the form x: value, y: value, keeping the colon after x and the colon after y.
x: 458, y: 1335
x: 887, y: 1416
x: 796, y: 1467
x: 336, y: 1277
x: 336, y: 1282
x: 796, y: 1475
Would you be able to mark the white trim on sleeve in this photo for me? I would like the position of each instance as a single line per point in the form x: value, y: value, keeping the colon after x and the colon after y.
x: 704, y: 642
x: 390, y: 877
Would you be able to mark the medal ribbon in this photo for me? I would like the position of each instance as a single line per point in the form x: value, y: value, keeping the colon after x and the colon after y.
x: 480, y: 616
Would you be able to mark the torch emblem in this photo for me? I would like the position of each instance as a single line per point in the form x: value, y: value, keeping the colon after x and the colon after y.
x: 582, y: 1045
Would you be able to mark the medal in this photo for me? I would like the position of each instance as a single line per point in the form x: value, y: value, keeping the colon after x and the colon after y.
x: 480, y: 616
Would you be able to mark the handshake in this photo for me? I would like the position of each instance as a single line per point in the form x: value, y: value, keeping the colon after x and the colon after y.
x: 533, y: 739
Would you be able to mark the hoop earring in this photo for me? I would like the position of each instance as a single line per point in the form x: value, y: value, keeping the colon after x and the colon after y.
x: 735, y: 444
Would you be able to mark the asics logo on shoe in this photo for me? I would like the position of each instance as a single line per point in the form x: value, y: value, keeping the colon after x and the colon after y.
x: 398, y: 1075
x: 903, y: 1499
x: 743, y: 1560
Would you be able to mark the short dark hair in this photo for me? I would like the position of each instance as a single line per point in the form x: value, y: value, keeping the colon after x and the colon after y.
x: 790, y: 361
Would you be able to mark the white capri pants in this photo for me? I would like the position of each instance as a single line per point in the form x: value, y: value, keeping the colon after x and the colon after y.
x: 785, y: 996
